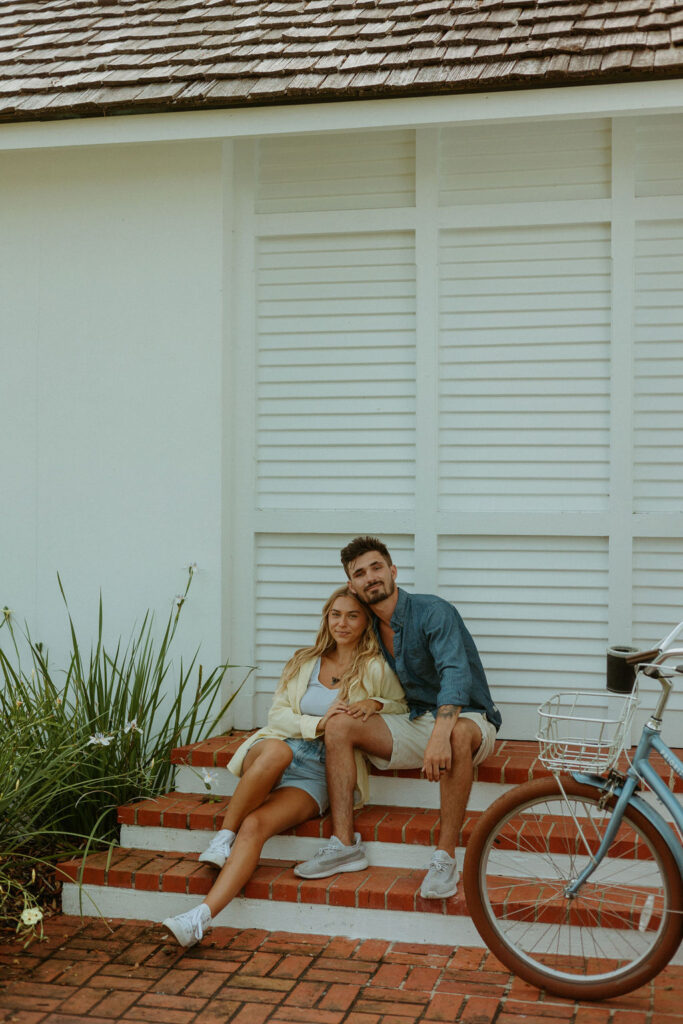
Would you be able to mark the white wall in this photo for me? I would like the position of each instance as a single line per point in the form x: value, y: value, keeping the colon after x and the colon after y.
x: 157, y: 398
x: 110, y: 386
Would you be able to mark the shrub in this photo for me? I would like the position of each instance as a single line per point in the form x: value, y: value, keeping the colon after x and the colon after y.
x: 74, y: 750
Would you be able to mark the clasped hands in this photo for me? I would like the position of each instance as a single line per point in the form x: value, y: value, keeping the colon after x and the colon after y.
x: 362, y: 709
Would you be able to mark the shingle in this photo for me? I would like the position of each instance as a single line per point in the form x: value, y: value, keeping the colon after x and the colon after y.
x: 88, y: 56
x: 667, y: 58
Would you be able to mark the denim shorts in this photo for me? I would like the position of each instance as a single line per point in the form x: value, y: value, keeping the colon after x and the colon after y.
x: 307, y: 770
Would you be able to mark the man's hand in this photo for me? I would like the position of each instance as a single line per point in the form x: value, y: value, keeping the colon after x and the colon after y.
x: 438, y: 755
x: 364, y: 708
x: 437, y: 759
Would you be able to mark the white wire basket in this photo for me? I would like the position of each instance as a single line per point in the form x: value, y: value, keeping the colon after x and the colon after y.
x: 582, y: 731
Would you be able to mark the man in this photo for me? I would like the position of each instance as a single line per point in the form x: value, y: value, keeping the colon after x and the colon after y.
x: 451, y: 725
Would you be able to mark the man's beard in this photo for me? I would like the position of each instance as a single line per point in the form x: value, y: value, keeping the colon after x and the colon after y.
x: 380, y: 595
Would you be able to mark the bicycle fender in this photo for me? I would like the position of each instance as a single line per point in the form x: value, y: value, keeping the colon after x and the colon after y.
x: 644, y: 808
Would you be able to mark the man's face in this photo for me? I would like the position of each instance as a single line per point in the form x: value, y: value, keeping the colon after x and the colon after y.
x: 371, y: 578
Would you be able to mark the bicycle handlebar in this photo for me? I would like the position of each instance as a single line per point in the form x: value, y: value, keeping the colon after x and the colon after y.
x: 660, y: 651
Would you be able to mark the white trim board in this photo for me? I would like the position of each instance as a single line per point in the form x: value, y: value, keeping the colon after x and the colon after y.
x: 574, y: 101
x: 384, y: 789
x: 289, y: 848
x: 275, y: 915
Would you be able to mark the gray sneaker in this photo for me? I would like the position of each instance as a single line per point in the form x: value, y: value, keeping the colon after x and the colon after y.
x: 333, y: 858
x: 441, y: 880
x: 189, y: 927
x: 218, y: 851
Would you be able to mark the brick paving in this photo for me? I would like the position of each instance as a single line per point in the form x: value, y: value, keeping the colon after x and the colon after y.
x: 97, y: 972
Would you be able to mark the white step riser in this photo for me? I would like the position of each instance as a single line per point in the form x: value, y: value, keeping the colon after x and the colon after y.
x: 293, y: 848
x: 275, y: 915
x: 383, y: 789
x: 298, y: 848
x: 305, y: 918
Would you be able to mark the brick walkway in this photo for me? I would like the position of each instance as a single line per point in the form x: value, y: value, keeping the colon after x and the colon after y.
x: 93, y: 972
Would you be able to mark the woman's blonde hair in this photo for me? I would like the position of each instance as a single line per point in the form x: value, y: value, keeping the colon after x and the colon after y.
x: 367, y: 648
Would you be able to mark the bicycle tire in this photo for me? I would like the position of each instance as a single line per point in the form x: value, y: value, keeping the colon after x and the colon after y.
x: 519, y: 860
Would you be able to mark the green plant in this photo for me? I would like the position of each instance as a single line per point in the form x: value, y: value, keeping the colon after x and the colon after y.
x: 78, y: 744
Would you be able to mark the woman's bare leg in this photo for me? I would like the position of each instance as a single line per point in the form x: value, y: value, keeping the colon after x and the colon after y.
x: 281, y: 810
x: 263, y: 766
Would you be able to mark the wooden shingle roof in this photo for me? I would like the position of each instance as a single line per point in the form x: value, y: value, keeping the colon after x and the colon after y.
x: 66, y: 58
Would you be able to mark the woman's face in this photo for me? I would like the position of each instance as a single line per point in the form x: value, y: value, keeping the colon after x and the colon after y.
x: 347, y: 620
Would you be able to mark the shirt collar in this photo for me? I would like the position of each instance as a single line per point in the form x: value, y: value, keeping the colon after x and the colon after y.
x: 400, y: 610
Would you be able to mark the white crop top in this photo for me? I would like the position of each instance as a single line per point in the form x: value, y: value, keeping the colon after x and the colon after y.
x: 318, y: 698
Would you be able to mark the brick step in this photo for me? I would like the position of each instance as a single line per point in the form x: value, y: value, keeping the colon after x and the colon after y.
x: 379, y: 902
x: 151, y: 884
x: 512, y: 762
x: 186, y: 821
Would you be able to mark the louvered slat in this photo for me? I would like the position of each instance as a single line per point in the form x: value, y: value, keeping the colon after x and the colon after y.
x: 537, y: 607
x: 349, y: 170
x: 658, y: 416
x: 524, y: 380
x: 336, y: 371
x: 531, y: 162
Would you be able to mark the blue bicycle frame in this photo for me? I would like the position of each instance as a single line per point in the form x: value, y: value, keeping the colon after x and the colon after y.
x: 626, y: 793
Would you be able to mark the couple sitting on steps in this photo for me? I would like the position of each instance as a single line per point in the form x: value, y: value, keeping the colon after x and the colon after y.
x: 392, y: 676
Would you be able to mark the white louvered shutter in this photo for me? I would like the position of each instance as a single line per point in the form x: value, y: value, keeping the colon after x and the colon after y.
x: 524, y: 380
x: 336, y: 371
x: 467, y: 340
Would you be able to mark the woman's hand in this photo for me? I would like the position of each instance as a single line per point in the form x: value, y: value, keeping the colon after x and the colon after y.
x: 364, y: 708
x: 334, y: 709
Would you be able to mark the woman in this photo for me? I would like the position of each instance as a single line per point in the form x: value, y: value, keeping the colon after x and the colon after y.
x: 282, y: 766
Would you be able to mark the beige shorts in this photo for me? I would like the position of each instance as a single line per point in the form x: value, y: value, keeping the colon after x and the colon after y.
x: 410, y: 739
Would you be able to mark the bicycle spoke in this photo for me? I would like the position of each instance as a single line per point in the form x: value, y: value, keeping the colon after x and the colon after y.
x: 535, y: 853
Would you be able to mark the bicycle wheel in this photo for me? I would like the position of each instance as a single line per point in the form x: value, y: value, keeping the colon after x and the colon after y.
x: 620, y: 930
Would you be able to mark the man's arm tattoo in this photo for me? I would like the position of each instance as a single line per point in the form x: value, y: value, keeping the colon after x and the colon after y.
x: 447, y: 711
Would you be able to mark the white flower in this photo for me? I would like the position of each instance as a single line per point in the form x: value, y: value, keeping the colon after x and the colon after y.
x: 192, y: 567
x: 179, y: 601
x: 132, y: 726
x: 99, y: 740
x: 31, y: 916
x: 209, y: 777
x: 8, y: 613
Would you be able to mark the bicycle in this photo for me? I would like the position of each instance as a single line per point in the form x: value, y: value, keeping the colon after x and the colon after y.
x: 574, y: 881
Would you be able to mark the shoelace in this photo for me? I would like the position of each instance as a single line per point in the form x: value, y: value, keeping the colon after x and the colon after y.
x: 194, y: 920
x: 439, y: 865
x: 218, y: 845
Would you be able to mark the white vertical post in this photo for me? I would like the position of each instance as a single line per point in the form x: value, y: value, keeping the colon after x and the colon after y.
x: 427, y: 360
x: 239, y: 482
x: 621, y: 413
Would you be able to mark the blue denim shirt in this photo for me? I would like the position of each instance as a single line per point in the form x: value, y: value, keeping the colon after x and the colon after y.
x: 435, y: 658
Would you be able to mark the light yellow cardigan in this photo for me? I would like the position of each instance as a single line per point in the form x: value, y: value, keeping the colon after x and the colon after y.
x: 285, y: 720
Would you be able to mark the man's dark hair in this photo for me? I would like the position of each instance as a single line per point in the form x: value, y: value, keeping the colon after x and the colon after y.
x: 360, y: 546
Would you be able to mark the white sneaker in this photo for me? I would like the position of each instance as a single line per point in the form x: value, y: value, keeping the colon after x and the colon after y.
x: 441, y: 880
x: 189, y: 927
x: 218, y: 850
x: 333, y: 858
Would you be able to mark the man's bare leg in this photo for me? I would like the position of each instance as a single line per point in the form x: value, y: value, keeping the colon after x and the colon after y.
x: 343, y: 734
x: 455, y: 785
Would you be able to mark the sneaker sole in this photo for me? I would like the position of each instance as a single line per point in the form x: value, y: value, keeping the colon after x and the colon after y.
x: 216, y: 863
x: 357, y: 865
x: 440, y: 895
x: 168, y: 924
